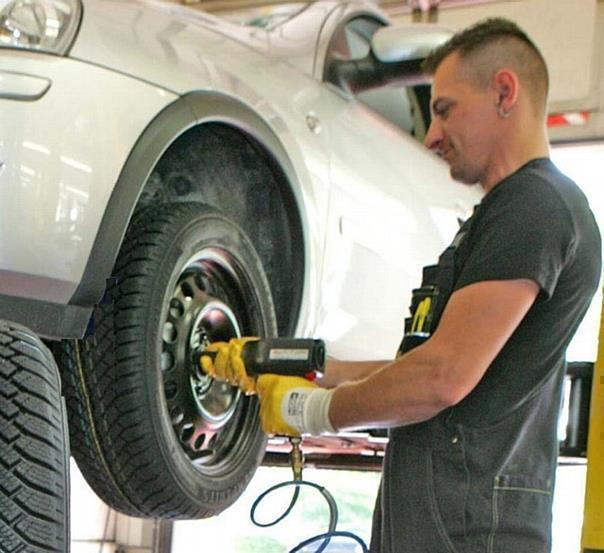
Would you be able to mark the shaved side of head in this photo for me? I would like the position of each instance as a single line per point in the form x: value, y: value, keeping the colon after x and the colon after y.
x: 490, y: 46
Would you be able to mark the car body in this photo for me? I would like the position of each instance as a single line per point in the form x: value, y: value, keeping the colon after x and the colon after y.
x: 152, y: 103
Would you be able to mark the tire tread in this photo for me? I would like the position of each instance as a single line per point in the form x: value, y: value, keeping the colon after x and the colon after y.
x: 34, y: 470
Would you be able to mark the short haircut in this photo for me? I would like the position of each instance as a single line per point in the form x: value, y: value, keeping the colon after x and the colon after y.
x: 491, y: 45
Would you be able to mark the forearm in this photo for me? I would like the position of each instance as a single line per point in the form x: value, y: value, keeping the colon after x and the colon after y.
x: 408, y: 390
x: 420, y: 384
x: 405, y: 391
x: 337, y: 371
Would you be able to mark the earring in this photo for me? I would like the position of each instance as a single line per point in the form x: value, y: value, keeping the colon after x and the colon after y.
x: 503, y: 114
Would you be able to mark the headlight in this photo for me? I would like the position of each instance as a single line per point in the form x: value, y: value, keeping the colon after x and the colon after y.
x: 43, y: 25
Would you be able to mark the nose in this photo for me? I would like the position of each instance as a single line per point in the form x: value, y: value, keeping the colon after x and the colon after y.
x: 434, y: 136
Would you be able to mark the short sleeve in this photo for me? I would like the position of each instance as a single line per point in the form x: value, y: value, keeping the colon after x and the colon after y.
x: 525, y: 232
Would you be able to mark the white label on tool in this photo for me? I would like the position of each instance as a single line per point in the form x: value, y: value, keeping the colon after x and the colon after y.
x: 288, y: 354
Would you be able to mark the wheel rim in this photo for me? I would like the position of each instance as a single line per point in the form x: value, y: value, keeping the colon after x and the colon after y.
x: 209, y: 303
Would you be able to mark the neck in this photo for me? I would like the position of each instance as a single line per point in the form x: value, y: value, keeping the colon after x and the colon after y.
x: 525, y: 146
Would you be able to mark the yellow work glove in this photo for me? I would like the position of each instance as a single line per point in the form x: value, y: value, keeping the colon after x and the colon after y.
x: 290, y: 406
x: 228, y: 364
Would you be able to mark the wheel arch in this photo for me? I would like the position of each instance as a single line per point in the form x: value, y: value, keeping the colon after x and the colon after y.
x: 181, y: 130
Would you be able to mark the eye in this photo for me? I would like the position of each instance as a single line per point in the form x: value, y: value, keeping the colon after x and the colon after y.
x: 442, y: 110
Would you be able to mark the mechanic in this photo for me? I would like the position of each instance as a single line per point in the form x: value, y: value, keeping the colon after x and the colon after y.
x: 473, y: 409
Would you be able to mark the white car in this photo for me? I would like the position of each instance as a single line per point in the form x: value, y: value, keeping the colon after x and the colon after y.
x: 170, y: 179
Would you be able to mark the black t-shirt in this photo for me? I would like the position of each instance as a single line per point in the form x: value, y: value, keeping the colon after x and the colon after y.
x: 479, y: 475
x: 535, y: 224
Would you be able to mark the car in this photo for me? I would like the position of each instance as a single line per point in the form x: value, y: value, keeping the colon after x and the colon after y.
x: 170, y: 179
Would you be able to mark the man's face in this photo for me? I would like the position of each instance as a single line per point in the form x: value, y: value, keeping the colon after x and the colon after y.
x: 464, y: 122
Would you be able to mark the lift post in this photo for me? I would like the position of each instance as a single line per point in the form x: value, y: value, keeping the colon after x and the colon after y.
x: 592, y: 539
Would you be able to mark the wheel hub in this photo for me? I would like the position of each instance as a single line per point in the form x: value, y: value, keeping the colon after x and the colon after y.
x: 215, y: 400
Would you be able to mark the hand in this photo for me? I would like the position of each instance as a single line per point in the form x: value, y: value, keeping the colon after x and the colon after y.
x: 228, y: 364
x: 290, y: 406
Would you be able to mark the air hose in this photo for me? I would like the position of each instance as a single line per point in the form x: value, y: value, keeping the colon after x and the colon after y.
x: 325, y: 538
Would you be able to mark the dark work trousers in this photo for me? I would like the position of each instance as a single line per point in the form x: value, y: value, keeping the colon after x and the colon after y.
x: 448, y: 488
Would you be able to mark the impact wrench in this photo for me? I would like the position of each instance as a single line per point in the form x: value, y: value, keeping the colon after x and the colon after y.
x: 303, y: 357
x: 290, y: 357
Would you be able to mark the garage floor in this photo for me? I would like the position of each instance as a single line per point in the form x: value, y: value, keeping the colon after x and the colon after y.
x: 232, y: 532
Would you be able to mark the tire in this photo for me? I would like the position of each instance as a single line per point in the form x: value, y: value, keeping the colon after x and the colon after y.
x: 34, y: 447
x: 153, y: 436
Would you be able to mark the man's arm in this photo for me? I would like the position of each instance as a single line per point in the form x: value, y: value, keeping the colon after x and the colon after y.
x: 338, y: 372
x: 477, y: 322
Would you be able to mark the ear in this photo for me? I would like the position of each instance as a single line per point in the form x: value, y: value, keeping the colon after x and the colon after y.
x: 505, y: 84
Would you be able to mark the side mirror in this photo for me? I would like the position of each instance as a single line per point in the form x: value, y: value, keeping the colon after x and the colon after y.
x: 404, y: 43
x: 395, y: 58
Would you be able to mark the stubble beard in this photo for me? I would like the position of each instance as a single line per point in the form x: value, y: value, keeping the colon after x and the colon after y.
x: 463, y: 174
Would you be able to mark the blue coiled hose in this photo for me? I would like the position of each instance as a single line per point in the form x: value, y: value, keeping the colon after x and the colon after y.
x: 333, y: 516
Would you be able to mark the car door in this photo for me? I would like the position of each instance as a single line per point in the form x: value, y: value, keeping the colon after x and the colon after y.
x: 392, y: 209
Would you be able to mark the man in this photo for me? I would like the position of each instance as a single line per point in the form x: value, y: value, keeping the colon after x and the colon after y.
x: 473, y: 410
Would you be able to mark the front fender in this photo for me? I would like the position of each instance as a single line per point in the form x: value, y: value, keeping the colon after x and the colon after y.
x: 193, y: 109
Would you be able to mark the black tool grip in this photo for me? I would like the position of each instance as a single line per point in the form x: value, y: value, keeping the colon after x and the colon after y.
x: 303, y: 357
x: 285, y: 356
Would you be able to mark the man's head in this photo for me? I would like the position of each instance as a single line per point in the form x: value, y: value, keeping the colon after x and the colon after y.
x: 491, y: 45
x: 489, y: 90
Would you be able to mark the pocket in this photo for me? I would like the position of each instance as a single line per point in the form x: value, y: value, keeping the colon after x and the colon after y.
x: 448, y: 494
x: 521, y: 516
